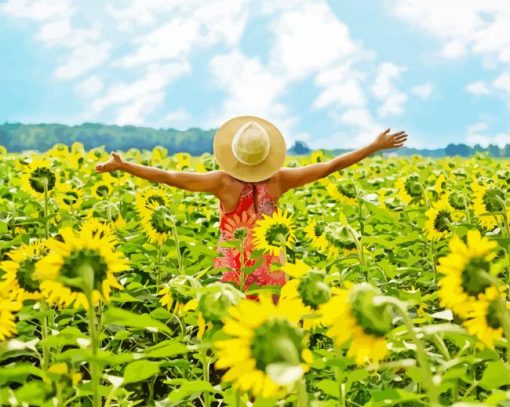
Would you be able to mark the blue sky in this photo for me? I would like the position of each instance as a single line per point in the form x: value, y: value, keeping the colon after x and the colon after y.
x: 330, y: 73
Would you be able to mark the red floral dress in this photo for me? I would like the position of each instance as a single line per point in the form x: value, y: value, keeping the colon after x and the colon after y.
x: 255, y: 201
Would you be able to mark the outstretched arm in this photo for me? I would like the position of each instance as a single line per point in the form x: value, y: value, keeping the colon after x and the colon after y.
x: 190, y: 181
x: 296, y: 177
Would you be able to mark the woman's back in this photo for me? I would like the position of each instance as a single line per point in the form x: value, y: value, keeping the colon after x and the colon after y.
x: 255, y: 200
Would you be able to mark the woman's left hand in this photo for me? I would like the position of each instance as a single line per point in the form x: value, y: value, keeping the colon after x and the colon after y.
x: 385, y: 140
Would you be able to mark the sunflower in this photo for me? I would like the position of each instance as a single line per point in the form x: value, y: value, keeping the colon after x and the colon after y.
x: 463, y: 270
x: 182, y: 160
x: 484, y: 320
x: 150, y: 195
x: 157, y: 221
x: 179, y: 294
x: 343, y: 190
x: 20, y: 268
x: 309, y: 288
x: 440, y: 184
x: 485, y: 201
x: 387, y: 199
x: 274, y: 232
x: 36, y: 176
x: 69, y: 197
x: 410, y: 188
x: 8, y: 306
x: 456, y: 200
x: 102, y: 190
x: 317, y: 156
x: 314, y: 230
x: 352, y: 317
x: 214, y: 302
x: 439, y: 217
x: 79, y: 259
x: 339, y: 239
x: 266, y: 353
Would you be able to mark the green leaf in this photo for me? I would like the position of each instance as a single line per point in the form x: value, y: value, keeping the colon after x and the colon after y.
x: 166, y: 349
x: 187, y: 389
x: 495, y: 375
x: 126, y: 318
x: 329, y: 387
x: 18, y: 373
x: 140, y: 370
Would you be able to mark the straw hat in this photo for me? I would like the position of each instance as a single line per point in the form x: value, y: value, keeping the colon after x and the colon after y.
x: 249, y: 148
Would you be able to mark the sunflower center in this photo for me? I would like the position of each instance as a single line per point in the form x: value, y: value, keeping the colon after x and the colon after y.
x: 441, y: 222
x: 491, y: 202
x: 103, y: 190
x: 155, y: 199
x: 319, y: 228
x: 375, y: 320
x: 160, y: 220
x: 240, y: 233
x: 492, y: 315
x: 277, y: 235
x: 339, y: 237
x: 85, y: 257
x: 474, y: 281
x: 455, y: 200
x: 40, y: 177
x: 276, y: 341
x: 25, y: 274
x: 70, y: 198
x: 413, y: 187
x: 347, y: 189
x: 313, y: 290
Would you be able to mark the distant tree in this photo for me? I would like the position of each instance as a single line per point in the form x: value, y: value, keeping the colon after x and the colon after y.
x: 299, y: 147
x: 458, y: 149
x: 493, y: 150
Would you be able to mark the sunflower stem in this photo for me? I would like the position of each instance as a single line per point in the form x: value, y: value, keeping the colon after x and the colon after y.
x: 302, y: 400
x: 46, y: 229
x: 177, y: 246
x: 339, y: 376
x: 428, y: 380
x: 241, y: 266
x: 205, y: 367
x: 88, y: 281
x: 44, y: 334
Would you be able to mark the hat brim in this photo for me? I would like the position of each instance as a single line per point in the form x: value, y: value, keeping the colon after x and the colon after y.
x: 222, y: 147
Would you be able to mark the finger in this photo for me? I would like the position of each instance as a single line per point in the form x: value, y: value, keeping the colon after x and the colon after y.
x: 401, y: 137
x: 385, y: 131
x: 398, y: 133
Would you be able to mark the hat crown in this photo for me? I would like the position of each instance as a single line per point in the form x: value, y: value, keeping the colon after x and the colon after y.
x: 250, y: 144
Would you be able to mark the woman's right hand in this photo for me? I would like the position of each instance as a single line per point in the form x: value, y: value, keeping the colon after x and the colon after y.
x: 114, y: 163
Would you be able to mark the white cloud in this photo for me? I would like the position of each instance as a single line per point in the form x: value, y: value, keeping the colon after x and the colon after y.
x: 475, y: 137
x: 90, y: 87
x: 384, y: 89
x: 308, y: 39
x: 503, y: 83
x: 476, y: 26
x: 176, y: 118
x: 39, y: 11
x: 84, y: 58
x: 478, y: 88
x: 423, y: 91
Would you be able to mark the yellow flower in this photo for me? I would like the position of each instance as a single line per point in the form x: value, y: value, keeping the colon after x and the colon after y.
x: 8, y: 306
x: 36, y: 176
x: 19, y: 270
x: 483, y: 320
x: 69, y: 197
x: 409, y: 188
x: 80, y: 259
x: 463, y: 269
x: 314, y: 230
x: 343, y: 190
x: 274, y: 232
x: 157, y: 222
x: 486, y: 201
x: 339, y: 239
x: 178, y: 295
x: 352, y: 317
x: 309, y: 288
x: 102, y: 190
x: 151, y: 195
x: 264, y: 340
x: 439, y: 217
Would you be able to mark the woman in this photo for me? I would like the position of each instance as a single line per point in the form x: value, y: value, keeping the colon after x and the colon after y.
x: 250, y: 152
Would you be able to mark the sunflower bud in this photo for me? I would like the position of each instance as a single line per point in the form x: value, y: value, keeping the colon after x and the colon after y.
x: 375, y: 320
x: 313, y: 289
x: 214, y: 303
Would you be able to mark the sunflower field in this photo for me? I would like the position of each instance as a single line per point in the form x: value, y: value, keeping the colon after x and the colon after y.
x: 396, y: 295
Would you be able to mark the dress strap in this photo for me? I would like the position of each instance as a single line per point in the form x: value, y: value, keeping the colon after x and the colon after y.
x: 254, y: 190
